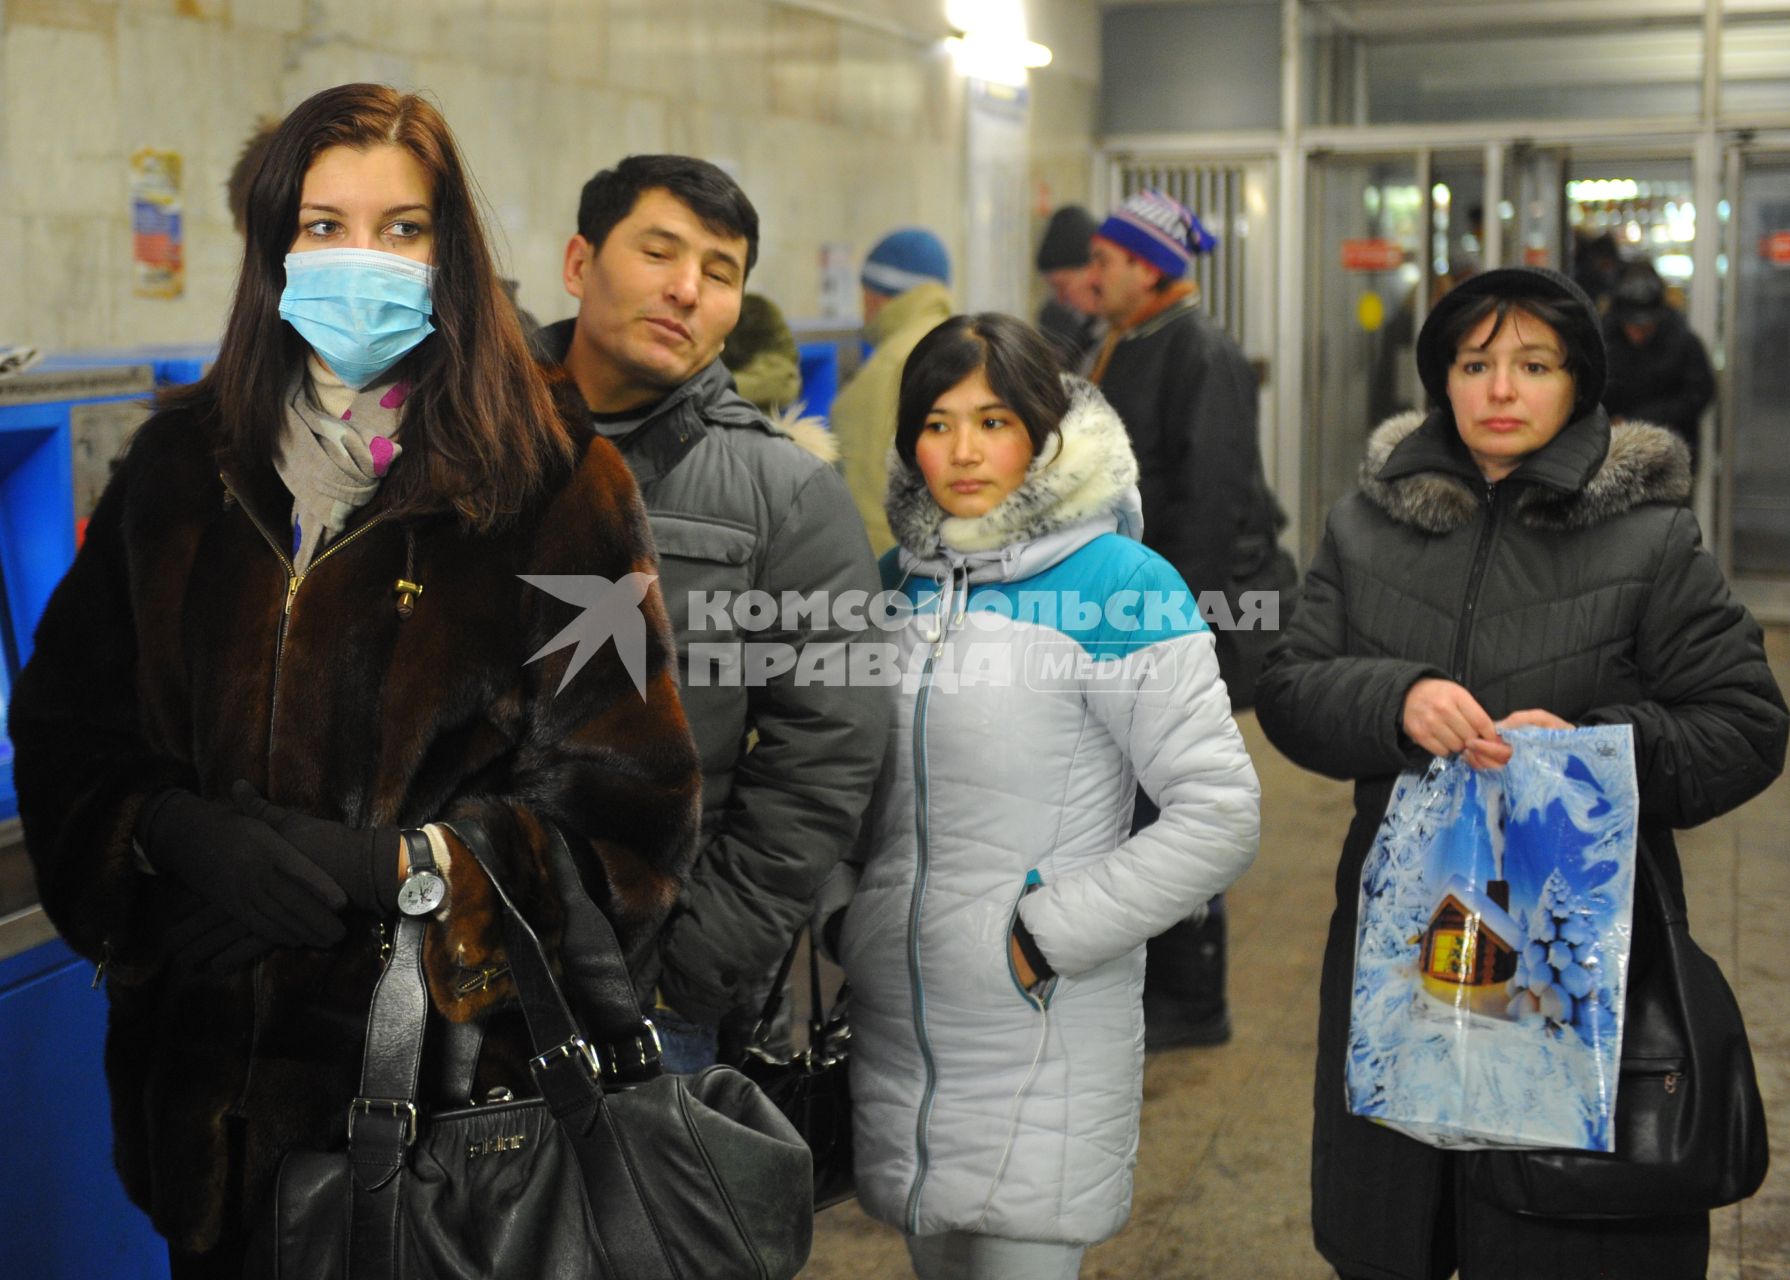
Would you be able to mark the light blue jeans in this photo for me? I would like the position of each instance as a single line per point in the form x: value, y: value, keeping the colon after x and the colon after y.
x: 964, y: 1255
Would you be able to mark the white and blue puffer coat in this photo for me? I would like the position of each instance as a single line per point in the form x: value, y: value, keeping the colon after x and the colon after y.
x: 1023, y: 727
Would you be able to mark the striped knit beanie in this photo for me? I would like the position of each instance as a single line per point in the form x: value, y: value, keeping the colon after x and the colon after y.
x: 905, y: 259
x: 1161, y: 231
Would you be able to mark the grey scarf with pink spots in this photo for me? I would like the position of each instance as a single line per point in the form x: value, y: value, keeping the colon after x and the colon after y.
x: 333, y: 465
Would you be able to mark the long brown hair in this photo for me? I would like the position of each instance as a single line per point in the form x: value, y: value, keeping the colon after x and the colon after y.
x: 481, y: 432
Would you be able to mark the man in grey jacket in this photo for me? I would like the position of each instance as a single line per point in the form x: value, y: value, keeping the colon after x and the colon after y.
x: 744, y: 520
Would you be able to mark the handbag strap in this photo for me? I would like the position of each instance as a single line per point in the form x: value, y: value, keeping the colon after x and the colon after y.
x: 1671, y: 915
x: 773, y: 1001
x: 626, y: 1048
x: 382, y: 1120
x: 571, y: 1073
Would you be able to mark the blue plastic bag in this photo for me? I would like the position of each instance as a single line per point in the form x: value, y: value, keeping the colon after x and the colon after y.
x: 1491, y: 954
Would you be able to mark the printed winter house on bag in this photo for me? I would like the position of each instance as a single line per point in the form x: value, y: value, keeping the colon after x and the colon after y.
x: 1492, y: 950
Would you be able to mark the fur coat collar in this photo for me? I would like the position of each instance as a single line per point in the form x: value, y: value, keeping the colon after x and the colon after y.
x: 1418, y: 472
x: 1081, y: 485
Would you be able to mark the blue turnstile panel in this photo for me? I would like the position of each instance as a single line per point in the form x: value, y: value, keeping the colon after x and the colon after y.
x: 63, y: 1214
x: 820, y: 376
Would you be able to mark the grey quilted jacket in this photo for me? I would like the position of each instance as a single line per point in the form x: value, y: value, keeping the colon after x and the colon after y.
x: 789, y: 757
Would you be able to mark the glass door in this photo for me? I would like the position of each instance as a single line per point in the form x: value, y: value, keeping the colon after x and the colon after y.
x: 1388, y: 235
x: 1754, y: 513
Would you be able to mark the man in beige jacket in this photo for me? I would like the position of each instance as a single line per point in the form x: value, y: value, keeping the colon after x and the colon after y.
x: 906, y: 281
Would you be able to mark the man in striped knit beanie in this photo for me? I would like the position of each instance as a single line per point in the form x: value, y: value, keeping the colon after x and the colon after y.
x: 1187, y: 396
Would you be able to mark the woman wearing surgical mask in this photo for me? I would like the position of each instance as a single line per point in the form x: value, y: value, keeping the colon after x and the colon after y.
x: 323, y: 624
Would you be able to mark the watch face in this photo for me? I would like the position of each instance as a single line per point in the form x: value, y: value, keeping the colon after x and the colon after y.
x: 421, y: 893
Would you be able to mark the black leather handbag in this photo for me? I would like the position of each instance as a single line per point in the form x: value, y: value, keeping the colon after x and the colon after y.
x: 1690, y: 1126
x: 811, y: 1087
x: 615, y: 1172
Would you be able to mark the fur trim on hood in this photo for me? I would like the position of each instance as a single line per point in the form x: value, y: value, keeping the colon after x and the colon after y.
x: 1643, y: 464
x: 807, y: 430
x: 1087, y: 471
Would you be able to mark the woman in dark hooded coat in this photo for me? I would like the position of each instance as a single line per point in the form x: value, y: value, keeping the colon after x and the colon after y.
x: 1510, y: 559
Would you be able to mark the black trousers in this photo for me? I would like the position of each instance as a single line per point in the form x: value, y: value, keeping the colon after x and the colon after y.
x: 1184, y: 975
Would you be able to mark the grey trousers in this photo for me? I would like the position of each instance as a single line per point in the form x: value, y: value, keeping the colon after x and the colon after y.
x: 964, y: 1255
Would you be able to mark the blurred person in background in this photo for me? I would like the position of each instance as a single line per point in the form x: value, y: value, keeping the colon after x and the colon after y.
x: 1187, y: 396
x: 907, y: 291
x: 1070, y: 317
x: 1659, y: 370
x: 762, y: 355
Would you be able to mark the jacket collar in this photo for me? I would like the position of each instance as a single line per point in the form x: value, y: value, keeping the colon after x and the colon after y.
x: 679, y: 421
x: 923, y: 301
x: 1083, y: 485
x: 1419, y: 472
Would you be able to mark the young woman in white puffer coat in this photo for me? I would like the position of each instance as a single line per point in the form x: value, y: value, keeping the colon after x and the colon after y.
x: 1050, y: 664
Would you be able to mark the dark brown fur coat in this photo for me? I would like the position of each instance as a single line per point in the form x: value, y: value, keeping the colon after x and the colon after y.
x: 160, y: 661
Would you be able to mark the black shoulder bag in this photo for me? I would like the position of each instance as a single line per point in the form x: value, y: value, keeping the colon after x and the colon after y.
x: 812, y: 1087
x: 1690, y: 1126
x: 615, y: 1172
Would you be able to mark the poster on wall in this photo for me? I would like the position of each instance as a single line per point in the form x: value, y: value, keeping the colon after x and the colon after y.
x: 157, y: 266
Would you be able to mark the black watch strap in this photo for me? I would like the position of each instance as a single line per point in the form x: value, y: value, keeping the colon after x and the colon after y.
x: 423, y: 889
x: 422, y: 853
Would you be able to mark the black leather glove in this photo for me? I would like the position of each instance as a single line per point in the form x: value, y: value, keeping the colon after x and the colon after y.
x: 243, y: 867
x: 210, y: 939
x: 363, y: 861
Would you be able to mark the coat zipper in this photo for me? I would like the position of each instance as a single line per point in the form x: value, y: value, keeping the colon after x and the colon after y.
x: 923, y: 1119
x: 1488, y: 535
x: 294, y: 580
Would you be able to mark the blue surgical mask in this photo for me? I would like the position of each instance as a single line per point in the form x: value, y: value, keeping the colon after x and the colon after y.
x: 361, y: 310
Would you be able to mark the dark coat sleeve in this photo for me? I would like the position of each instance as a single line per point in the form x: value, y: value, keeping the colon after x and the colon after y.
x: 1712, y: 734
x: 800, y: 793
x: 83, y: 763
x: 608, y: 762
x: 1692, y: 388
x: 1325, y: 708
x: 1210, y: 404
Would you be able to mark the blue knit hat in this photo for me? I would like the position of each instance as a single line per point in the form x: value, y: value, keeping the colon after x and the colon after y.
x: 906, y: 258
x: 1161, y: 231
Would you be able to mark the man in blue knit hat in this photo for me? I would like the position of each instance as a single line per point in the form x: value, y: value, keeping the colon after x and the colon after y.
x: 907, y: 293
x: 1187, y: 396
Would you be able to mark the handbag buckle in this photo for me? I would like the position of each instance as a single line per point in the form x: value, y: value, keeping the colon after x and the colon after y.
x: 576, y: 1049
x: 636, y: 1058
x: 397, y: 1108
x: 630, y: 1060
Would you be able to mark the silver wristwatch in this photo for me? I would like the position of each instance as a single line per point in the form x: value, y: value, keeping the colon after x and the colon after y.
x: 424, y: 889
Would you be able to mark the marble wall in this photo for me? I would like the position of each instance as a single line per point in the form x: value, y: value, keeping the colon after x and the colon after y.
x: 839, y: 130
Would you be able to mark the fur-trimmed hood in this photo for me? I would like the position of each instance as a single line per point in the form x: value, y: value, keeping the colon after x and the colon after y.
x: 1418, y: 472
x: 1083, y: 484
